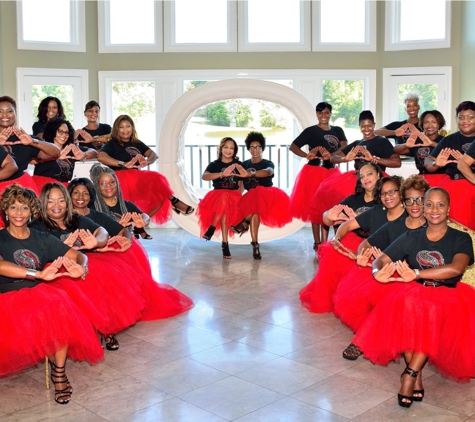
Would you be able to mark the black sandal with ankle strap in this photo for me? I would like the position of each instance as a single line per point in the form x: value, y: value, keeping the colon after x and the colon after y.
x: 256, y: 253
x: 242, y: 227
x: 401, y: 397
x: 58, y: 376
x: 175, y: 201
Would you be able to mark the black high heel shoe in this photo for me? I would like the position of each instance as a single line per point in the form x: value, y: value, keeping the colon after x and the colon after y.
x: 175, y: 201
x: 209, y: 233
x: 256, y: 254
x: 226, y: 251
x: 409, y: 399
x: 242, y: 227
x: 58, y: 376
x: 142, y: 233
x: 111, y: 343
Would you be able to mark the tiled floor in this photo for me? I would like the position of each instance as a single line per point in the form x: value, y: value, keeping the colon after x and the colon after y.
x: 247, y: 351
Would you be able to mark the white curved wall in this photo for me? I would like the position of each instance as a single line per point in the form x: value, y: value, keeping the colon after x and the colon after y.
x: 171, y: 146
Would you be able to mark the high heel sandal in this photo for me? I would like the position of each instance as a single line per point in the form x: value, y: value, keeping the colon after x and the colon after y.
x: 111, y: 342
x: 61, y: 396
x: 209, y: 233
x: 226, y: 251
x: 401, y: 397
x: 352, y: 352
x: 142, y: 233
x: 175, y: 201
x: 256, y: 254
x: 241, y: 228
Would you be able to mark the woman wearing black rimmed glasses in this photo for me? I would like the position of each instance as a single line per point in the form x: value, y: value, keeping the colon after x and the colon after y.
x: 337, y: 256
x: 430, y: 317
x: 357, y: 293
x: 262, y: 201
x: 60, y: 132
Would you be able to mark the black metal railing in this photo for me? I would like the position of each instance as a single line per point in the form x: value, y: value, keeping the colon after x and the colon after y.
x: 197, y: 158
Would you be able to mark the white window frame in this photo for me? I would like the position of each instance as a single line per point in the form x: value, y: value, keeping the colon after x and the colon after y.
x: 170, y: 45
x: 105, y: 46
x: 445, y: 104
x: 81, y: 96
x: 370, y: 31
x: 305, y: 24
x: 392, y: 37
x: 78, y: 31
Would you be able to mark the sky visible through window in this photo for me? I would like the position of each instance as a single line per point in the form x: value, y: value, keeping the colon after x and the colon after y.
x: 132, y: 25
x: 338, y: 14
x: 422, y: 20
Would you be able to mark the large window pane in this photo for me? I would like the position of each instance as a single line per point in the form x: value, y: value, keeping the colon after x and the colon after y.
x: 204, y: 21
x: 137, y: 99
x: 429, y: 19
x: 338, y: 14
x: 39, y: 25
x: 270, y: 24
x: 346, y: 98
x: 132, y: 25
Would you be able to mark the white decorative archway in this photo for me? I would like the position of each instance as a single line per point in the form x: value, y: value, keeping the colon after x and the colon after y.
x: 172, y: 147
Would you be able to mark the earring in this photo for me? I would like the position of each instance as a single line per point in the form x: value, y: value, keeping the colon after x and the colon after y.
x: 29, y: 220
x: 6, y: 217
x: 402, y: 205
x: 384, y: 208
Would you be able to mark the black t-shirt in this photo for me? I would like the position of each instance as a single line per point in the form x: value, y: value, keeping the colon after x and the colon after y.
x: 388, y: 233
x: 124, y: 152
x: 421, y: 253
x: 374, y: 218
x: 22, y: 154
x: 378, y: 146
x: 230, y: 182
x: 103, y: 129
x: 33, y: 253
x: 38, y: 127
x: 254, y: 182
x: 314, y: 136
x: 83, y: 223
x: 455, y: 141
x: 3, y: 154
x: 357, y: 202
x: 401, y: 139
x: 112, y: 227
x: 420, y: 153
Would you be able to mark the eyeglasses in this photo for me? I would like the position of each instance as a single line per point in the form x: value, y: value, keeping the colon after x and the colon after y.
x: 63, y: 132
x: 388, y: 193
x: 462, y: 118
x: 410, y: 201
x: 109, y: 183
x: 255, y: 147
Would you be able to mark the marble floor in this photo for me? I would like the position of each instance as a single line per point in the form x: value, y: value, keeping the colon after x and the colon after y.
x: 246, y: 352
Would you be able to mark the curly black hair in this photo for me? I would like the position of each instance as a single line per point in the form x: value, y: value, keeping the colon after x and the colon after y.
x: 51, y: 128
x: 255, y: 137
x: 7, y: 99
x: 43, y: 109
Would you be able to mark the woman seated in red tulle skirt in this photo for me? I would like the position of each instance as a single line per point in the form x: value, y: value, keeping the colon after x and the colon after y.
x: 39, y: 320
x: 219, y: 209
x: 262, y: 201
x: 337, y: 256
x: 125, y: 154
x: 431, y: 318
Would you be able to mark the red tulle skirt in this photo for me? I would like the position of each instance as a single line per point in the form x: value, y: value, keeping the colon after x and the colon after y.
x: 317, y: 296
x: 149, y: 190
x: 357, y: 294
x: 331, y: 192
x: 40, y: 181
x: 306, y: 184
x: 436, y: 179
x: 39, y: 321
x: 217, y: 203
x: 112, y: 291
x: 271, y: 204
x: 462, y: 201
x: 25, y: 180
x: 438, y: 322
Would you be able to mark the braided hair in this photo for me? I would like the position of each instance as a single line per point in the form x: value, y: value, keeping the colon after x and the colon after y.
x: 100, y: 205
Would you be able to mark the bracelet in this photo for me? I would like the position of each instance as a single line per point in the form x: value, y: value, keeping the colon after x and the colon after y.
x: 375, y: 159
x: 30, y: 274
x: 374, y: 271
x: 84, y: 158
x: 86, y: 271
x: 418, y: 274
x: 252, y: 172
x: 221, y: 175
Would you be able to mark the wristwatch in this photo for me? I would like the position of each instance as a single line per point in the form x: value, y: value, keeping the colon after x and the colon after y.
x: 120, y: 164
x: 418, y: 274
